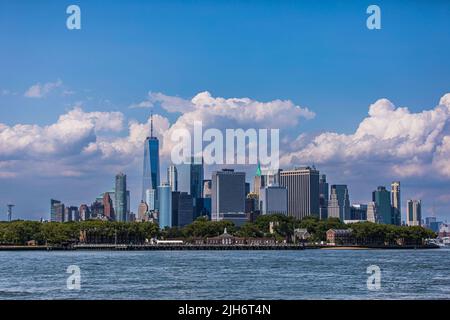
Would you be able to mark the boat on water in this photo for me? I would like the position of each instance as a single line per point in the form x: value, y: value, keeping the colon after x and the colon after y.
x: 443, y: 242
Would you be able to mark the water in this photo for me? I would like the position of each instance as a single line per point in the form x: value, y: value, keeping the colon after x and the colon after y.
x: 307, y: 274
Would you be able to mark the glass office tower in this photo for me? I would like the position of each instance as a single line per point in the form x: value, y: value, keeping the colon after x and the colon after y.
x: 150, y: 178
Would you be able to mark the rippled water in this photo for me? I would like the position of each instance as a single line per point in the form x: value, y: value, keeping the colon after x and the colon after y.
x: 307, y: 274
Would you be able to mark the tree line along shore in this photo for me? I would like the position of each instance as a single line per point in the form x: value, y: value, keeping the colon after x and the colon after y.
x: 275, y: 228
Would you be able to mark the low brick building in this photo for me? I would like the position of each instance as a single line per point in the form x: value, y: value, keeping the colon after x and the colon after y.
x: 340, y: 236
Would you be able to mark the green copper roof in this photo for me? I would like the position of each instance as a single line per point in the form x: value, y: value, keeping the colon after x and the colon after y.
x: 258, y: 170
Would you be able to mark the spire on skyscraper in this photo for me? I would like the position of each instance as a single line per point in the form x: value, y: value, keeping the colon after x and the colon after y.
x: 151, y: 124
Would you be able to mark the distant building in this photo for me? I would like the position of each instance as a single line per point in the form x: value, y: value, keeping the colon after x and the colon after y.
x: 121, y: 197
x: 302, y: 186
x: 382, y: 199
x: 432, y: 224
x: 358, y: 212
x: 97, y: 210
x: 72, y: 214
x: 414, y: 213
x: 150, y: 179
x: 372, y: 213
x: 67, y: 215
x: 339, y: 204
x: 444, y: 230
x: 172, y: 177
x: 142, y: 211
x: 273, y: 200
x: 270, y: 177
x: 53, y: 215
x: 165, y: 206
x: 396, y: 203
x: 225, y: 239
x: 207, y: 188
x: 108, y: 206
x: 85, y: 213
x: 340, y: 236
x: 182, y: 209
x: 228, y: 193
x: 190, y: 176
x: 301, y: 235
x: 204, y: 205
x: 257, y: 180
x: 264, y: 178
x: 238, y: 218
x: 251, y: 203
x: 190, y: 179
x: 150, y: 199
x: 323, y: 197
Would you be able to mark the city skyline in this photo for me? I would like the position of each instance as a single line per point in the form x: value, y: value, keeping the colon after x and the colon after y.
x: 75, y: 110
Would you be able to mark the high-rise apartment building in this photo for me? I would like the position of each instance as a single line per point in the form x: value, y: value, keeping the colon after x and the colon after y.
x: 323, y: 197
x: 382, y: 199
x: 108, y: 206
x: 121, y: 197
x: 53, y: 215
x: 396, y: 203
x: 414, y: 213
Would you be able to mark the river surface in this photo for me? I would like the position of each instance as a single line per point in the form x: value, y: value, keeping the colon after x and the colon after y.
x: 305, y: 274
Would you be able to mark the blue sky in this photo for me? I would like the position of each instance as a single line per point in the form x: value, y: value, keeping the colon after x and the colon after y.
x: 320, y: 55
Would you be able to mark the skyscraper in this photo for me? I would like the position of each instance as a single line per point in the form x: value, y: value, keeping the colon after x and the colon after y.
x: 302, y: 186
x: 53, y: 215
x: 150, y: 199
x: 142, y: 211
x: 207, y: 188
x: 323, y: 197
x: 382, y: 199
x: 60, y: 210
x: 396, y: 203
x: 121, y: 197
x: 172, y: 177
x: 228, y: 193
x: 108, y: 206
x: 85, y: 213
x: 273, y: 200
x: 358, y: 212
x: 182, y: 210
x: 257, y: 180
x: 190, y: 180
x: 165, y: 206
x: 339, y: 204
x: 150, y: 178
x: 372, y: 213
x: 190, y: 177
x: 414, y: 213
